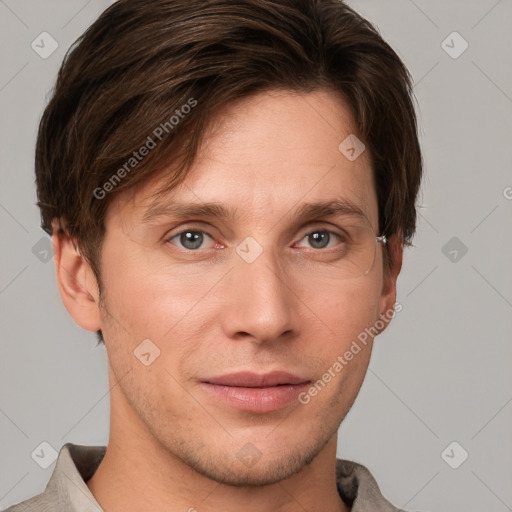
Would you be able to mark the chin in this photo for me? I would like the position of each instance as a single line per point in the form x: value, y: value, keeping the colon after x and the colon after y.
x: 251, y: 467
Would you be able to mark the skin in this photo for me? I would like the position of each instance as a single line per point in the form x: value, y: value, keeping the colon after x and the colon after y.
x: 172, y: 445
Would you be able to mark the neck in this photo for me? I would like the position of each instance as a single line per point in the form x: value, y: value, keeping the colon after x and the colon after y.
x: 139, y: 474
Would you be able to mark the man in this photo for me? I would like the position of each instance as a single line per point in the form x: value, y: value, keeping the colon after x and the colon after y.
x: 229, y: 187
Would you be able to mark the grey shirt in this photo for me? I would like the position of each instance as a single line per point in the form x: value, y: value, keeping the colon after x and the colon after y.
x: 67, y: 491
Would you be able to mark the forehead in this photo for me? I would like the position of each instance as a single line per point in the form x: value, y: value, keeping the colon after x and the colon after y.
x: 266, y: 155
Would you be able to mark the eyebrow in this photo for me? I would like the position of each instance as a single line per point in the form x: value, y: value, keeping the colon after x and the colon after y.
x: 307, y: 211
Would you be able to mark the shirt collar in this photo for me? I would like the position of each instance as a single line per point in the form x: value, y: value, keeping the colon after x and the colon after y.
x: 75, y: 465
x: 358, y: 488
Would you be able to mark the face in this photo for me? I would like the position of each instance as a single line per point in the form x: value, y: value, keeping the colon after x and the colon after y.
x: 246, y: 293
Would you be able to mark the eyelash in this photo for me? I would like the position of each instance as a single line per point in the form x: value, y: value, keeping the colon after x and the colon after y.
x: 195, y: 230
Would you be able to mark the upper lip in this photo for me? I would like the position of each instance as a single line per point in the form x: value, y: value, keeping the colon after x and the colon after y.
x: 255, y: 380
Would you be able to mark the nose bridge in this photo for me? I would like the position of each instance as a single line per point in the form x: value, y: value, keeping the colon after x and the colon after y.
x: 261, y: 299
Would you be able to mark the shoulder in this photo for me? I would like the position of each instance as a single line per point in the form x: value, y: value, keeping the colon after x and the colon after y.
x: 39, y: 503
x: 66, y: 488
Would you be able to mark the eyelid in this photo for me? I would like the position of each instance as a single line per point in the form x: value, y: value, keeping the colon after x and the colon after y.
x: 191, y: 225
x: 310, y: 226
x: 323, y: 225
x: 187, y: 229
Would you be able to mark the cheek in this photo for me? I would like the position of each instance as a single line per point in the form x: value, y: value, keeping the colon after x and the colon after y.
x: 349, y: 307
x: 148, y: 295
x: 344, y: 347
x: 152, y: 302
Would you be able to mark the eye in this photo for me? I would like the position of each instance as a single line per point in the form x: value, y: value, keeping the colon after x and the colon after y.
x: 190, y: 239
x: 320, y: 238
x: 193, y: 239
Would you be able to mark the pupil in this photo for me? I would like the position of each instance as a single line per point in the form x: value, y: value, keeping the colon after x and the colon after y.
x: 191, y: 239
x: 317, y: 239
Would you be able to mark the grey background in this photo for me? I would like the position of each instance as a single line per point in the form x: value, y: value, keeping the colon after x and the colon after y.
x: 440, y: 373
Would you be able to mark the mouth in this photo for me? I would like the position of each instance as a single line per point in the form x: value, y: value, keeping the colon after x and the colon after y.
x: 257, y: 393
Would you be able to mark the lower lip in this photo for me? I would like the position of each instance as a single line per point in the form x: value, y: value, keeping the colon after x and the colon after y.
x: 257, y: 399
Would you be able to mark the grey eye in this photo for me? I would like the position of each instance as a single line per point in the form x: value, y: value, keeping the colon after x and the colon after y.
x: 319, y: 239
x: 190, y: 239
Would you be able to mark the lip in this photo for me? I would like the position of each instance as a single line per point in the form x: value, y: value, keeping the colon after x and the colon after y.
x: 256, y: 380
x: 256, y: 392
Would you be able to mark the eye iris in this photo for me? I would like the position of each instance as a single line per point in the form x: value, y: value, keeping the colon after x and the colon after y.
x: 191, y: 239
x: 318, y: 238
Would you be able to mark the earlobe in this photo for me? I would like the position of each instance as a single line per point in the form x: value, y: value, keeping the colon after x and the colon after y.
x: 76, y: 281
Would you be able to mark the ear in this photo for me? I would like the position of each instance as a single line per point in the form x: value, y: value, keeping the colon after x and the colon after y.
x: 77, y: 284
x: 388, y: 296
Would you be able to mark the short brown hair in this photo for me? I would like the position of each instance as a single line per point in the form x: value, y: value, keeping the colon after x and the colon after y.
x: 142, y: 61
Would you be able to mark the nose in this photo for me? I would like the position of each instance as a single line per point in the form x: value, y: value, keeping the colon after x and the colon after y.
x: 260, y: 300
